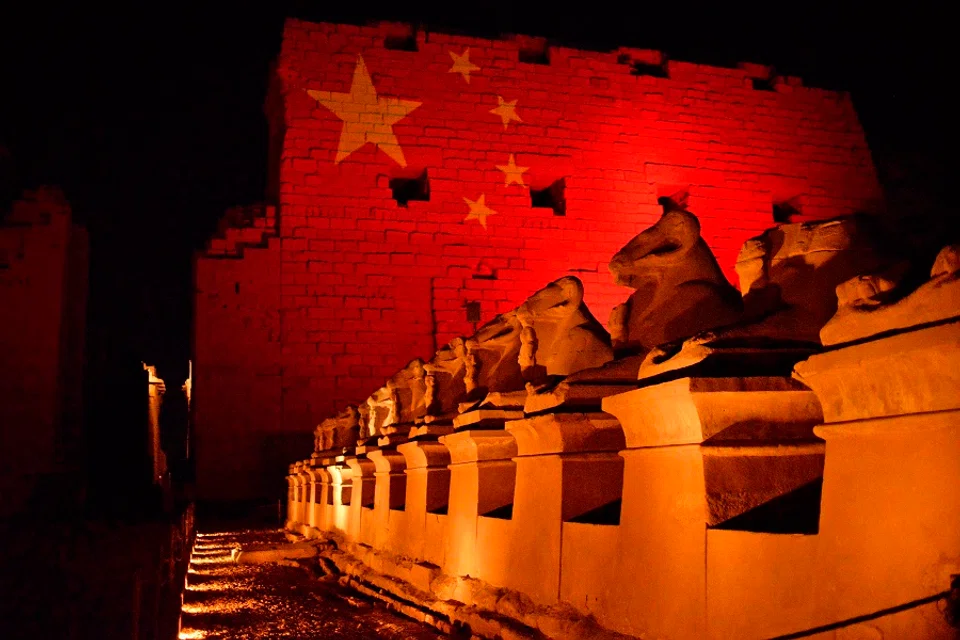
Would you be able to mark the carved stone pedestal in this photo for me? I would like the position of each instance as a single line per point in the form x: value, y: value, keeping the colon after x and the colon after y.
x: 567, y: 466
x: 360, y: 525
x: 892, y: 479
x: 482, y: 479
x: 699, y: 452
x: 427, y: 493
x: 319, y: 499
x: 390, y: 498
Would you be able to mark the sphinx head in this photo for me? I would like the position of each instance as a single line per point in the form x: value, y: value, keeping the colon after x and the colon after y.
x: 661, y: 246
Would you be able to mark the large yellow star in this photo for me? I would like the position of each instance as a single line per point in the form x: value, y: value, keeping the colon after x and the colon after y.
x: 512, y: 173
x: 478, y: 210
x: 462, y: 64
x: 366, y: 116
x: 507, y: 111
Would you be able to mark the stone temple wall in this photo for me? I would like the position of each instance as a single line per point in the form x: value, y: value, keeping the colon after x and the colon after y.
x: 43, y: 286
x: 422, y: 183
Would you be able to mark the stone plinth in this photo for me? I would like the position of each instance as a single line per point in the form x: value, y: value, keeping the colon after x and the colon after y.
x: 427, y: 494
x: 360, y: 525
x: 567, y: 466
x: 291, y: 496
x: 892, y: 478
x: 390, y: 497
x: 700, y: 451
x: 482, y: 479
x: 902, y: 374
x: 341, y: 484
x: 302, y: 488
x: 715, y: 411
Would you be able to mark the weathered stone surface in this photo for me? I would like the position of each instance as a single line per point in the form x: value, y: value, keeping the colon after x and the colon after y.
x: 404, y: 396
x: 560, y: 336
x: 789, y: 274
x: 904, y: 373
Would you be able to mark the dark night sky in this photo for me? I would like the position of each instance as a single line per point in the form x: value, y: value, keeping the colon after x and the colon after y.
x: 152, y: 121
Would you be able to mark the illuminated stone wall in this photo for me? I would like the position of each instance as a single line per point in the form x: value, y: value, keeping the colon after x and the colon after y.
x: 426, y: 182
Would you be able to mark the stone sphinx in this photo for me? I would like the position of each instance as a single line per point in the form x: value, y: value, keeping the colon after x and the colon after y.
x: 337, y: 433
x: 382, y: 408
x: 788, y: 277
x: 551, y: 335
x: 559, y: 335
x: 887, y: 302
x: 679, y: 291
x: 444, y: 385
x: 491, y: 359
x: 403, y: 399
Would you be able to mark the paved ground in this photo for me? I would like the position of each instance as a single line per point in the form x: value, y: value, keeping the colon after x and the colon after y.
x: 226, y: 600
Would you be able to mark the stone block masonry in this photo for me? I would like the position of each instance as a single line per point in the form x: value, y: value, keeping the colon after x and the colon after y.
x: 44, y: 259
x: 425, y: 182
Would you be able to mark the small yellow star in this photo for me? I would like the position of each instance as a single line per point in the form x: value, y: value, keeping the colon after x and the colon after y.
x: 366, y: 116
x: 478, y: 210
x: 462, y: 64
x: 512, y: 173
x: 507, y: 111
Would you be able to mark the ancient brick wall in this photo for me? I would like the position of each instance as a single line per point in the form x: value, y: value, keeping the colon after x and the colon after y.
x: 427, y: 182
x: 43, y: 293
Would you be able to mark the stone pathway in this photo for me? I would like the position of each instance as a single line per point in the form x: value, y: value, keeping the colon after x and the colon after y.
x: 227, y: 600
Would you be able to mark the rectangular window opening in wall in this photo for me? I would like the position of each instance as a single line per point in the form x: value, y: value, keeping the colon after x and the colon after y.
x: 764, y: 84
x: 406, y: 41
x: 406, y: 189
x: 784, y: 212
x: 535, y: 54
x: 647, y: 69
x: 473, y: 311
x: 552, y: 197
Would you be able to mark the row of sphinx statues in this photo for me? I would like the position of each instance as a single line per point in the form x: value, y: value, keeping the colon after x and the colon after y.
x: 550, y: 354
